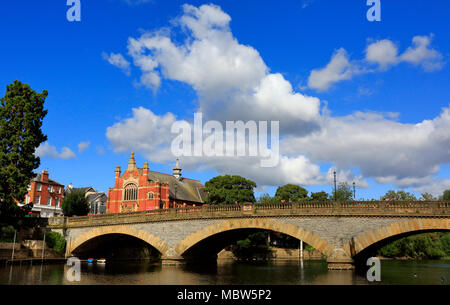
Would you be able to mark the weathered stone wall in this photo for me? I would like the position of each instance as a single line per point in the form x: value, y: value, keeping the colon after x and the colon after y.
x: 338, y: 238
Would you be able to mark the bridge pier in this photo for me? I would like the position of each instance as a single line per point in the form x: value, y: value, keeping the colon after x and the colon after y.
x: 340, y: 260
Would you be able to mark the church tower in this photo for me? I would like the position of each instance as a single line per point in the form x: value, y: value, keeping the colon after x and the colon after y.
x: 177, y: 170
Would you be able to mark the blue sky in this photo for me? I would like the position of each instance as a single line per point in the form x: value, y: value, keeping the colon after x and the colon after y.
x: 368, y: 99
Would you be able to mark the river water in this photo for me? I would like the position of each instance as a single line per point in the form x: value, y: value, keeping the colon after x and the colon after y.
x: 227, y: 272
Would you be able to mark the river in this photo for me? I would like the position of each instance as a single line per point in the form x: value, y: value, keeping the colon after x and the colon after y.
x: 227, y: 272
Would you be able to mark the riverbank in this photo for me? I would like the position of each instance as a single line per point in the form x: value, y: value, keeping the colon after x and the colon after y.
x: 27, y: 251
x: 280, y: 254
x: 407, y: 258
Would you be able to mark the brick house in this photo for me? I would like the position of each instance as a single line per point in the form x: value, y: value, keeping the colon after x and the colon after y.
x: 140, y: 189
x: 45, y: 194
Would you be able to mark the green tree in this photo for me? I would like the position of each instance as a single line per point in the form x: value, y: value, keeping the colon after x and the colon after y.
x: 266, y: 199
x: 420, y: 246
x: 427, y: 197
x: 254, y: 246
x: 75, y: 203
x: 229, y: 189
x: 7, y: 234
x: 55, y: 241
x: 446, y: 195
x: 319, y: 196
x: 291, y: 193
x: 398, y: 195
x: 344, y: 192
x: 21, y: 115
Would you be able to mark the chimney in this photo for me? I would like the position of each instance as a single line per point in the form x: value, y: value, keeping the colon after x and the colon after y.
x: 145, y: 169
x: 117, y: 176
x: 44, y: 176
x: 177, y: 170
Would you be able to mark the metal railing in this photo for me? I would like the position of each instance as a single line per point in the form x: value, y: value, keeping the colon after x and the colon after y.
x: 353, y: 208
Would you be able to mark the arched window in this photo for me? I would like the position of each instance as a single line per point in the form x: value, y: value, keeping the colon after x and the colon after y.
x: 131, y: 192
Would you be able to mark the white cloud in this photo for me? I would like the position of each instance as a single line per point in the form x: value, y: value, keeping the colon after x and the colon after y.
x: 118, y: 61
x: 407, y: 155
x: 386, y: 150
x: 306, y: 3
x: 46, y: 150
x: 434, y: 186
x: 239, y: 79
x: 144, y: 132
x: 82, y: 146
x: 421, y: 54
x: 339, y: 68
x: 150, y: 135
x: 136, y: 2
x: 240, y: 87
x: 383, y: 53
x: 100, y: 150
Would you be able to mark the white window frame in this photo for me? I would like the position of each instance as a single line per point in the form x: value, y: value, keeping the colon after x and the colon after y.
x: 59, y: 190
x: 50, y: 189
x: 27, y: 199
x: 38, y: 201
x: 49, y: 200
x: 39, y: 187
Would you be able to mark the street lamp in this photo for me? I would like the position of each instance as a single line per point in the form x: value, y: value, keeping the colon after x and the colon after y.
x: 335, y: 186
x: 354, y: 193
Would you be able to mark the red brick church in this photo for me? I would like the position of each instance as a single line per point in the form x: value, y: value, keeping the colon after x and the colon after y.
x: 140, y: 189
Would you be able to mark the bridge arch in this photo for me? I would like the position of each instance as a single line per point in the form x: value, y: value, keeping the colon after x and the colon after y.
x: 419, y: 225
x: 322, y: 245
x: 152, y: 240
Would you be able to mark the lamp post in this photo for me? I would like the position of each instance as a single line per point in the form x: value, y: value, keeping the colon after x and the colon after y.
x: 354, y: 193
x: 335, y: 199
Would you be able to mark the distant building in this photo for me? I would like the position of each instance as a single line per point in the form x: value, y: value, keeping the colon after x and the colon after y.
x: 140, y: 189
x: 45, y: 194
x: 97, y: 200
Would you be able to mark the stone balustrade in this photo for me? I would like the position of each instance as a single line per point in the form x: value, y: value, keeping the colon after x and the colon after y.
x: 353, y: 208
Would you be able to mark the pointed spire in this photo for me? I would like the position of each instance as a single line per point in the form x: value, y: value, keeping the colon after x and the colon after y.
x: 131, y: 163
x: 177, y: 170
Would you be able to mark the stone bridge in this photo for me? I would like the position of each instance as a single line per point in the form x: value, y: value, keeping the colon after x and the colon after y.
x: 339, y: 230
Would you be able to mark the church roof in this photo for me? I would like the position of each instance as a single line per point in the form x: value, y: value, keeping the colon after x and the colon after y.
x: 181, y: 189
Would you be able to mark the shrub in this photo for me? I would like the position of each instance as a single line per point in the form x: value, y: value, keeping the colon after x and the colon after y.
x: 7, y: 234
x: 55, y: 241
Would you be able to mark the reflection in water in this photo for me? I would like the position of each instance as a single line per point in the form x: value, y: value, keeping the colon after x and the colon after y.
x: 226, y: 272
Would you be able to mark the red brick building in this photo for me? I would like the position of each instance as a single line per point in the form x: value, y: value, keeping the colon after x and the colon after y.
x: 46, y: 195
x: 140, y: 189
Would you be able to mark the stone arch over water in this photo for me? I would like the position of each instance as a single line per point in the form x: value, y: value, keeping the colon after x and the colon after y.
x: 152, y: 240
x: 322, y: 245
x: 401, y: 228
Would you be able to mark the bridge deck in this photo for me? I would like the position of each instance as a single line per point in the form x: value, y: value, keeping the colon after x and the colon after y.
x: 307, y: 209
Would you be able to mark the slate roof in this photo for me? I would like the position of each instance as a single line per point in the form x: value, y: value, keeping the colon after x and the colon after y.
x: 95, y: 196
x: 84, y: 189
x: 38, y: 178
x: 184, y: 189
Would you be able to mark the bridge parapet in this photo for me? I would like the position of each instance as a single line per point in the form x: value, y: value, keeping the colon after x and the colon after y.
x: 308, y: 209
